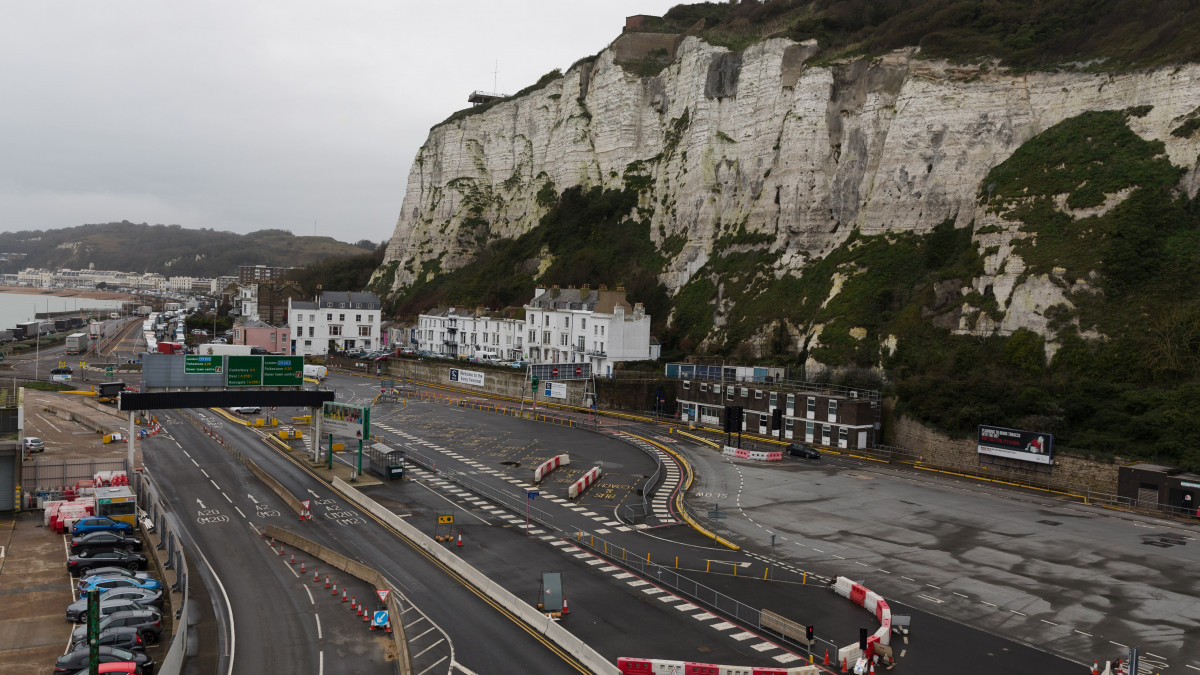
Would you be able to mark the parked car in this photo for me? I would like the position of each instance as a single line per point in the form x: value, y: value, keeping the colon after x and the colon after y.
x: 73, y: 661
x: 107, y: 577
x: 80, y: 564
x: 99, y: 524
x: 77, y: 611
x: 199, y: 331
x: 803, y: 451
x: 102, y: 539
x: 147, y: 621
x: 33, y: 444
x: 115, y: 668
x: 220, y: 340
x: 246, y: 409
x: 123, y: 637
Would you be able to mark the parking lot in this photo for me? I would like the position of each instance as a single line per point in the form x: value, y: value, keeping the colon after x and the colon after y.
x: 35, y: 587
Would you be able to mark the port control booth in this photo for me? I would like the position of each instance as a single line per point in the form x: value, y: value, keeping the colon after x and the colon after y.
x: 118, y: 503
x: 1165, y: 488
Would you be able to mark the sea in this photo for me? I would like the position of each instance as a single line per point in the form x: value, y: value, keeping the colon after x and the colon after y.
x: 18, y: 308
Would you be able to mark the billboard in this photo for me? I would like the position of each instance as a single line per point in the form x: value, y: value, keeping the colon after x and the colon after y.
x: 560, y: 371
x: 344, y: 419
x: 1029, y: 446
x: 466, y: 377
x: 556, y: 390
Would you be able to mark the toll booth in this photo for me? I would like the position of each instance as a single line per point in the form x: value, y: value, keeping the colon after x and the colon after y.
x: 118, y: 503
x: 385, y: 461
x: 1165, y: 488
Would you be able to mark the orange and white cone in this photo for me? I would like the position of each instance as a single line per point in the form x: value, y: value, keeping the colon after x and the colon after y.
x: 460, y: 539
x: 564, y: 609
x: 1095, y: 668
x: 344, y: 595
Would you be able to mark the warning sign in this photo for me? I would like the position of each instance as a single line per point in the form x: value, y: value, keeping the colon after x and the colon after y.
x: 445, y: 520
x: 305, y: 503
x: 383, y: 595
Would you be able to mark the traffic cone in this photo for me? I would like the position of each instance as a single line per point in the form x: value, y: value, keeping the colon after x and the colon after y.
x: 845, y: 668
x: 1095, y: 668
x: 343, y: 595
x: 264, y: 533
x: 366, y: 615
x: 353, y: 602
x: 334, y: 592
x: 872, y: 670
x: 302, y: 569
x: 361, y: 610
x: 826, y: 657
x: 326, y: 581
x: 281, y: 549
x: 460, y: 539
x: 564, y: 609
x: 293, y: 559
x: 316, y: 576
x: 389, y: 627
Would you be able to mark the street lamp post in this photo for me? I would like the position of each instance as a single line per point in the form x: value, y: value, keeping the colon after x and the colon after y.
x: 37, y: 343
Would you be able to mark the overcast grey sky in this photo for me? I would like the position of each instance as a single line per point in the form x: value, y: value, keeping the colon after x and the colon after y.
x: 249, y: 115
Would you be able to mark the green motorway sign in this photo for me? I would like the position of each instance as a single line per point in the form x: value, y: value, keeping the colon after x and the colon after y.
x: 194, y: 364
x: 265, y: 371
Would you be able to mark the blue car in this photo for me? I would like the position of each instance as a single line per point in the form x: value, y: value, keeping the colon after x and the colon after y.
x: 100, y: 524
x: 110, y: 582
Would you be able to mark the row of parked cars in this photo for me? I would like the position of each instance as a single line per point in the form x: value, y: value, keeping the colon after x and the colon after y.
x: 107, y: 557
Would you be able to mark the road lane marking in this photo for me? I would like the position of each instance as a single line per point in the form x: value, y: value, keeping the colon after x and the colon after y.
x: 909, y: 578
x: 321, y: 663
x: 987, y: 603
x: 932, y: 586
x: 194, y: 462
x: 204, y: 472
x: 214, y: 483
x: 318, y: 617
x: 1016, y: 612
x: 1118, y: 644
x: 1049, y: 622
x: 958, y: 594
x: 1083, y: 633
x: 228, y: 499
x: 310, y: 597
x: 239, y: 512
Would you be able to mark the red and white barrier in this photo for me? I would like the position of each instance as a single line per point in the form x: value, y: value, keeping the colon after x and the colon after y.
x: 873, y: 603
x: 549, y: 465
x: 580, y: 486
x: 759, y: 455
x: 628, y: 666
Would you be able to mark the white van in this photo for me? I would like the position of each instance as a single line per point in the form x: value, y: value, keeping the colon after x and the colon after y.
x: 488, y: 357
x: 317, y: 372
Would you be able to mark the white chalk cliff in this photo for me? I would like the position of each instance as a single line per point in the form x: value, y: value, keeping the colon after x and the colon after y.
x: 760, y: 138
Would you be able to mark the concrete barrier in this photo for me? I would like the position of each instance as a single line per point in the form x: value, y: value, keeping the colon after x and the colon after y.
x: 580, y: 486
x: 526, y: 613
x: 549, y: 465
x: 357, y: 569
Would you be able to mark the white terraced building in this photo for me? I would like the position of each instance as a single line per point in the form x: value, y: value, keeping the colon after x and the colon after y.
x: 581, y: 325
x: 471, y: 334
x: 337, y: 320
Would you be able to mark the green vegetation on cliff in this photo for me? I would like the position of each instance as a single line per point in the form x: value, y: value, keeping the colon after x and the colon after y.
x: 1022, y: 33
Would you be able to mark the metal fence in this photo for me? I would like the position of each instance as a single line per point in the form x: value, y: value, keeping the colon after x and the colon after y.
x: 165, y: 526
x: 46, y: 477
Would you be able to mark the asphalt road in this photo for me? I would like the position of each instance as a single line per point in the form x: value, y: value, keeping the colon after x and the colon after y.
x: 279, y: 617
x: 483, y: 638
x: 1076, y: 580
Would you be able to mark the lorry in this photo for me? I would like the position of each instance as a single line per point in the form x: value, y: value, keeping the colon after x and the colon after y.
x: 78, y: 343
x: 171, y: 348
x: 218, y: 349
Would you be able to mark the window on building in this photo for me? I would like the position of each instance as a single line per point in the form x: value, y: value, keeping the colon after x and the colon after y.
x: 364, y: 331
x: 370, y: 318
x: 310, y: 331
x: 581, y: 339
x: 773, y: 401
x: 730, y: 391
x: 833, y: 408
x: 601, y: 347
x: 566, y: 322
x: 341, y: 317
x: 602, y: 329
x: 583, y: 324
x: 299, y: 318
x: 533, y: 337
x: 812, y: 406
x: 703, y: 386
x: 547, y: 320
x: 843, y: 437
x: 335, y: 330
x: 717, y: 389
x: 758, y: 393
x: 308, y: 343
x: 562, y: 340
x: 329, y: 317
x: 687, y: 384
x: 358, y: 318
x: 545, y: 337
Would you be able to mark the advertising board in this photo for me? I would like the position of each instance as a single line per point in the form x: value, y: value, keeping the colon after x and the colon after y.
x: 1029, y: 446
x: 343, y: 419
x: 556, y: 390
x: 472, y: 377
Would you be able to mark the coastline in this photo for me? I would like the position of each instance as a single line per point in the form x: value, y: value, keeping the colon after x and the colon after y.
x: 90, y: 294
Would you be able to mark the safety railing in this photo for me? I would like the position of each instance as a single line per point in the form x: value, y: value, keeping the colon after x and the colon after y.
x: 165, y: 528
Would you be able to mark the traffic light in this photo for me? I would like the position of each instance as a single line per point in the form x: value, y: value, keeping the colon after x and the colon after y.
x: 808, y: 633
x: 777, y: 419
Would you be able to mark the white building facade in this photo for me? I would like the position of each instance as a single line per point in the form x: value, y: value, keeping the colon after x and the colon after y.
x: 336, y: 321
x: 470, y: 334
x: 581, y: 325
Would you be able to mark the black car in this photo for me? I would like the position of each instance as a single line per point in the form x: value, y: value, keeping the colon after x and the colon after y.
x: 73, y: 661
x: 124, y: 637
x: 147, y: 621
x: 108, y: 540
x: 83, y: 563
x: 803, y: 451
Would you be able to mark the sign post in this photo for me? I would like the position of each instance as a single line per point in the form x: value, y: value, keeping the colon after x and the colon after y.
x: 93, y: 630
x: 534, y: 387
x: 530, y: 495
